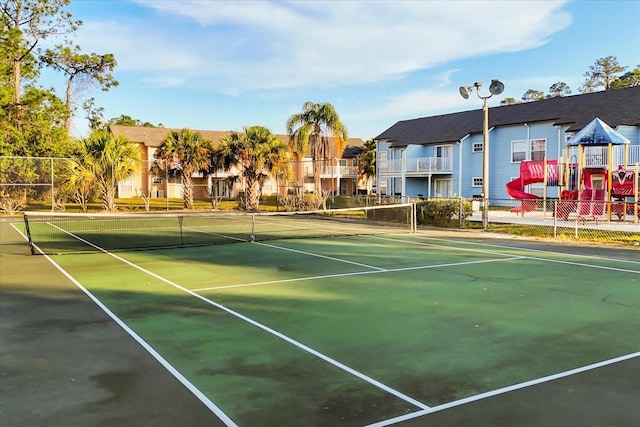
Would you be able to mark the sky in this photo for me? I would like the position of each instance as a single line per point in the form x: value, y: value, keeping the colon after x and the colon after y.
x: 226, y: 65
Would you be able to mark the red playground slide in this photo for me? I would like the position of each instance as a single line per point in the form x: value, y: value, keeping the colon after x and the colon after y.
x: 530, y: 173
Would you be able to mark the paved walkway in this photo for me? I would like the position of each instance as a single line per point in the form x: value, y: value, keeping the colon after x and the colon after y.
x: 547, y: 219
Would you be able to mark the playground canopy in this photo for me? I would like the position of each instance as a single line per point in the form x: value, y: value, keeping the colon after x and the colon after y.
x: 597, y: 132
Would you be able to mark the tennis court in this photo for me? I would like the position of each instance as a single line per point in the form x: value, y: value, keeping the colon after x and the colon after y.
x: 384, y: 327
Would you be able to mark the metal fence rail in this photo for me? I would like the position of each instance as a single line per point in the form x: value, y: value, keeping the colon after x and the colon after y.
x: 600, y: 222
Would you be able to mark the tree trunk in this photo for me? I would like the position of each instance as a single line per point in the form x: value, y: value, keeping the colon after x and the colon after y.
x: 17, y: 96
x: 108, y: 193
x: 316, y: 156
x: 253, y: 195
x: 187, y: 184
x: 67, y: 122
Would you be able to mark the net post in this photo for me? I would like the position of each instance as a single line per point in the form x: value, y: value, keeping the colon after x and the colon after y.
x: 28, y: 231
x: 414, y: 218
x: 253, y: 227
x: 180, y: 221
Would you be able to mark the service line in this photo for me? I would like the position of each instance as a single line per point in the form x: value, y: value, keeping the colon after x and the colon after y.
x: 357, y: 273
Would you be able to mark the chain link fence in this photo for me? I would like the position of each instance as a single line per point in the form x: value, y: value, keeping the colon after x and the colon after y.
x: 61, y: 184
x: 26, y: 179
x: 616, y: 222
x: 53, y: 184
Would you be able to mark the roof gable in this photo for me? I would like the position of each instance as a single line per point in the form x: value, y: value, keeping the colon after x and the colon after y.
x: 615, y: 107
x: 597, y: 132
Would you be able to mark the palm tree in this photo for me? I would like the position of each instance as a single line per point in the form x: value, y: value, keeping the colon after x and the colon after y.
x: 81, y: 183
x: 258, y: 154
x: 320, y: 126
x: 106, y: 159
x: 367, y: 163
x: 186, y: 152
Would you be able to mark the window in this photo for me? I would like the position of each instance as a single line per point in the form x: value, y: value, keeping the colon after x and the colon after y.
x: 476, y: 181
x: 383, y: 160
x: 126, y: 186
x: 538, y: 149
x: 518, y: 151
x: 478, y: 147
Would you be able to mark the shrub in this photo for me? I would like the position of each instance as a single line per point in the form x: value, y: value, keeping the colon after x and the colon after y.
x: 443, y: 212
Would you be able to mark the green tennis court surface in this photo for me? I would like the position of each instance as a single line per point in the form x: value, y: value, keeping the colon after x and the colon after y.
x: 371, y: 329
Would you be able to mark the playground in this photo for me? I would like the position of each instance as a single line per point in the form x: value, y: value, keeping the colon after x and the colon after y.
x: 598, y: 182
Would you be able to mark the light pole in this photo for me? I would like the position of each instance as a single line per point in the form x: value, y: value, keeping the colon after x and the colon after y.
x: 496, y: 88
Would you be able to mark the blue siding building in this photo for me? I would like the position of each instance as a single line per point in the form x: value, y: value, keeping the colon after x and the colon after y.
x: 442, y: 156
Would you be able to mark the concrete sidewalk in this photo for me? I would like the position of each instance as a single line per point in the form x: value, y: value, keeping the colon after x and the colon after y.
x: 547, y: 219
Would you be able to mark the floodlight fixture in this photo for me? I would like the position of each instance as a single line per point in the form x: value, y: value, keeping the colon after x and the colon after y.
x: 496, y: 87
x: 465, y: 91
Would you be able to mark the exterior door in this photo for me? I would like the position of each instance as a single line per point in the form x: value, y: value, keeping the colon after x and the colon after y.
x: 443, y: 187
x: 443, y: 156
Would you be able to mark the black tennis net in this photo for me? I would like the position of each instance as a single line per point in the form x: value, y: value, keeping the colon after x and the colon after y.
x: 60, y: 233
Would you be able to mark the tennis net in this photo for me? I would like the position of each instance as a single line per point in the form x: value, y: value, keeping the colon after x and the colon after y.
x: 60, y: 233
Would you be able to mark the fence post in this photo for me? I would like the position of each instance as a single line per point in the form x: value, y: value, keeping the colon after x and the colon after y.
x: 555, y: 219
x: 53, y: 194
x: 166, y: 182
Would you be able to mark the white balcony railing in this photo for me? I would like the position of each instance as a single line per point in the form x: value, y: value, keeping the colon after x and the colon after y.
x: 333, y: 171
x: 417, y: 165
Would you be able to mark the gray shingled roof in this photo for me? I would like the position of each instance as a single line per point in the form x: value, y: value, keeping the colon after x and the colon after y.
x: 152, y: 137
x: 615, y: 107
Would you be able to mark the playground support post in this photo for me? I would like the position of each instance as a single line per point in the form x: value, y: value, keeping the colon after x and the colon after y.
x: 636, y: 196
x: 609, y: 179
x: 545, y: 181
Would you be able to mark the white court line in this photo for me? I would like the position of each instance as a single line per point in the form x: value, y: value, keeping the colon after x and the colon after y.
x: 173, y: 371
x: 601, y: 267
x: 413, y: 242
x: 580, y: 264
x: 467, y: 242
x: 264, y: 328
x: 357, y: 273
x: 321, y: 256
x: 503, y: 390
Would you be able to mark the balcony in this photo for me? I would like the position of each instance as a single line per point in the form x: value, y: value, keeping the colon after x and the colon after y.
x: 417, y: 166
x: 333, y: 171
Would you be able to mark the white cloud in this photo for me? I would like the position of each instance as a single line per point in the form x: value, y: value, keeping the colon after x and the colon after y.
x: 138, y: 48
x: 240, y: 46
x: 436, y: 98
